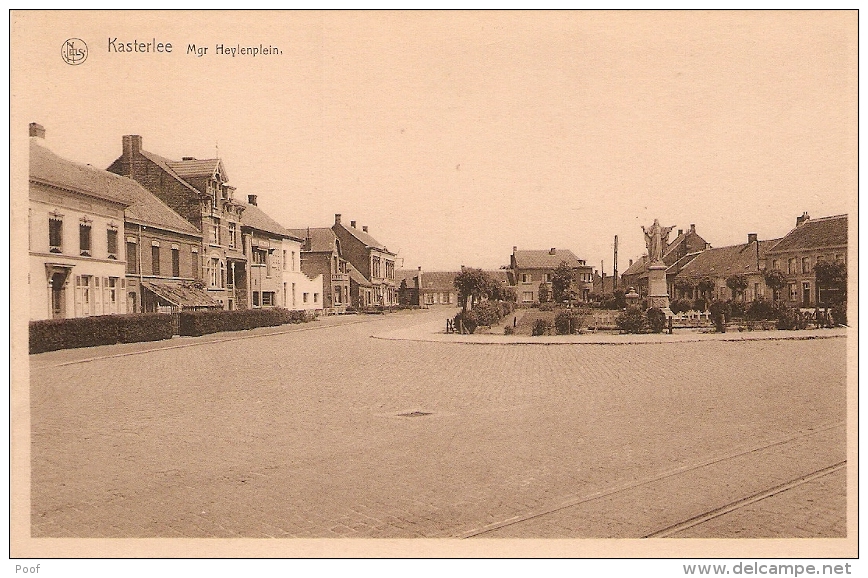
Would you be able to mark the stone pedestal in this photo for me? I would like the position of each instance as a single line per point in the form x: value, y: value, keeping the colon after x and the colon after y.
x: 658, y: 293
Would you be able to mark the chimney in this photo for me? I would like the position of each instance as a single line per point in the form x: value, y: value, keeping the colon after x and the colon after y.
x: 802, y: 219
x: 353, y: 224
x: 419, y: 284
x: 552, y: 251
x: 751, y: 237
x: 514, y: 248
x: 631, y: 264
x: 337, y: 218
x: 365, y: 228
x: 692, y: 228
x: 680, y: 232
x: 37, y: 130
x: 132, y: 145
x: 251, y: 199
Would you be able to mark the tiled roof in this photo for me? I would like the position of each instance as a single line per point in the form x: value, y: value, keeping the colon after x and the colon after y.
x: 147, y: 209
x: 255, y: 218
x: 365, y: 238
x: 637, y: 267
x: 544, y: 259
x: 356, y: 276
x: 322, y: 239
x: 180, y: 293
x: 815, y: 233
x: 47, y: 167
x: 442, y: 280
x: 165, y: 164
x: 725, y: 261
x: 197, y: 168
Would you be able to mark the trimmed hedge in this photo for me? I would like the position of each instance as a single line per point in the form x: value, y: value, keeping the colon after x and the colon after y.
x: 54, y: 334
x: 196, y: 323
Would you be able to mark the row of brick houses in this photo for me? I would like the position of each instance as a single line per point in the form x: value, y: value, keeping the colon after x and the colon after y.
x: 689, y: 258
x: 153, y: 235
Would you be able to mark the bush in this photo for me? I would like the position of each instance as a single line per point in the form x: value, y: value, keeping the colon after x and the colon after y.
x: 718, y: 307
x: 839, y: 314
x: 736, y: 309
x: 54, y: 334
x: 789, y: 318
x: 196, y: 323
x: 138, y: 327
x: 541, y: 327
x: 547, y: 306
x: 469, y: 320
x: 700, y: 304
x: 656, y: 319
x: 567, y: 322
x: 487, y: 312
x: 632, y: 320
x: 681, y: 305
x: 760, y: 310
x: 509, y: 330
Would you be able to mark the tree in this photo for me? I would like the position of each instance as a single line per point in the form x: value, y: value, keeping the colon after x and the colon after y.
x: 705, y: 286
x: 562, y: 278
x: 831, y: 279
x: 543, y: 292
x: 472, y: 285
x: 685, y: 287
x: 775, y: 280
x: 737, y: 283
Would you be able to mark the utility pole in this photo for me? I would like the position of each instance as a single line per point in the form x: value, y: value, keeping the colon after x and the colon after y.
x: 615, y: 270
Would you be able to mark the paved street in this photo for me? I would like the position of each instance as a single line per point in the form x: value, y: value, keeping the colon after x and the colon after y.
x: 321, y: 431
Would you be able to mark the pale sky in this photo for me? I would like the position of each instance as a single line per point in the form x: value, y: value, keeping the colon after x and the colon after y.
x: 455, y: 136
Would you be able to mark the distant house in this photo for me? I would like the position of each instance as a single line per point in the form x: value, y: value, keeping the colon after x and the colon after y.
x: 321, y: 254
x: 530, y: 268
x: 75, y: 226
x: 799, y: 251
x: 436, y: 287
x: 718, y: 264
x: 678, y: 253
x: 604, y: 286
x: 273, y: 253
x: 372, y: 261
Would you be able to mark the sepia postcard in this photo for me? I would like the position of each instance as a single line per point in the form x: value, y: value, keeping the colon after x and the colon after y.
x: 435, y: 284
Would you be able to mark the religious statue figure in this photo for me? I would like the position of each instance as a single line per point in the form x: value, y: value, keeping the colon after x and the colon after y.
x: 656, y: 239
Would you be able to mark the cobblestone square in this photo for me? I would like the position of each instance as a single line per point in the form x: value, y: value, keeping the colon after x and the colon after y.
x: 321, y: 431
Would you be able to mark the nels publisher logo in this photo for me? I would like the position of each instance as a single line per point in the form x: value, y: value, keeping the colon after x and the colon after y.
x: 74, y: 51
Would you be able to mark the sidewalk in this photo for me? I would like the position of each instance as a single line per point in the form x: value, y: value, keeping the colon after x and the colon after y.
x: 435, y: 332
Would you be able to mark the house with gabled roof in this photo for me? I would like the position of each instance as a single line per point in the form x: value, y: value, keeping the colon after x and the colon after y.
x: 799, y: 251
x: 273, y: 253
x: 198, y: 190
x: 75, y: 222
x: 372, y: 260
x: 530, y: 268
x: 321, y: 255
x: 719, y: 263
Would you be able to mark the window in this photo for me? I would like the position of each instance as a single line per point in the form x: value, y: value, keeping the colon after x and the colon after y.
x: 233, y: 237
x: 268, y: 264
x: 292, y: 266
x: 55, y: 234
x: 776, y: 265
x: 259, y: 256
x: 316, y: 297
x: 268, y: 298
x: 84, y: 295
x: 375, y: 266
x: 215, y: 230
x: 429, y: 299
x: 155, y: 259
x: 794, y: 292
x: 791, y: 266
x: 111, y: 238
x: 256, y: 298
x: 132, y: 257
x: 194, y: 263
x: 110, y: 287
x: 214, y: 272
x: 284, y: 260
x: 526, y: 278
x: 839, y: 258
x: 304, y: 297
x: 806, y: 265
x: 176, y: 262
x: 84, y: 238
x: 547, y: 278
x: 527, y: 296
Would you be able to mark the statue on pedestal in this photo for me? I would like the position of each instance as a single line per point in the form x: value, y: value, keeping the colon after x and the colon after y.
x: 656, y: 239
